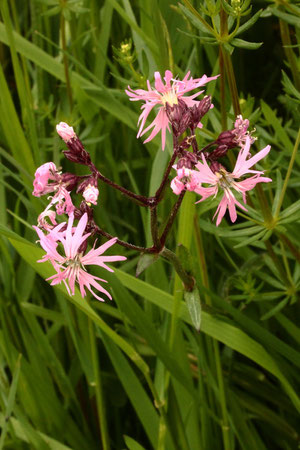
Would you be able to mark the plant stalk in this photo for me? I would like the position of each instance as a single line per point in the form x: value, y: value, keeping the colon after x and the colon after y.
x: 98, y: 388
x: 65, y: 59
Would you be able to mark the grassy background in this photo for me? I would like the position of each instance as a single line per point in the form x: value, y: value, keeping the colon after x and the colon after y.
x: 133, y: 373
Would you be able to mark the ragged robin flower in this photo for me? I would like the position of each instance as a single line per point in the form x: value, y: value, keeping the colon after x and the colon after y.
x: 70, y: 267
x: 220, y: 178
x: 165, y: 93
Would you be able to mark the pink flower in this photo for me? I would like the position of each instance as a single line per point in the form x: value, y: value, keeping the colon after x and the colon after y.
x: 170, y: 93
x: 48, y: 179
x: 42, y: 219
x: 185, y: 179
x: 226, y: 180
x: 65, y: 131
x: 90, y: 194
x: 42, y: 175
x: 70, y: 267
x: 62, y: 201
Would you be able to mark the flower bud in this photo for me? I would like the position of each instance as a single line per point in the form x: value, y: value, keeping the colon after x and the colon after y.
x: 227, y: 138
x: 90, y: 194
x: 65, y: 131
x: 198, y: 111
x: 42, y: 175
x: 216, y: 166
x: 218, y: 152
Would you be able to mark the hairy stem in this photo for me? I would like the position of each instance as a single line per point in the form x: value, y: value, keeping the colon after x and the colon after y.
x: 154, y: 227
x: 172, y: 216
x: 125, y: 244
x: 188, y: 280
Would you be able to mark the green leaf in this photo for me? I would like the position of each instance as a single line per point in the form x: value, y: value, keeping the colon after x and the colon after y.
x: 224, y: 332
x: 194, y: 306
x: 249, y: 23
x: 228, y: 8
x: 245, y: 44
x: 144, y: 262
x: 101, y: 96
x: 132, y: 444
x: 276, y: 309
x: 10, y: 400
x: 289, y: 18
x: 135, y: 391
x: 289, y: 87
x: 201, y: 24
x: 278, y: 191
x: 278, y: 128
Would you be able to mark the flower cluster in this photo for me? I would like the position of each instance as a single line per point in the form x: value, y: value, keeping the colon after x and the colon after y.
x: 70, y: 267
x: 199, y: 170
x: 193, y: 171
x: 207, y: 180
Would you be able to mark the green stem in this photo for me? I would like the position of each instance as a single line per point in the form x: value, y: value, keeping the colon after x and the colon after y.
x: 295, y: 252
x: 154, y: 228
x: 231, y: 82
x: 288, y: 174
x: 188, y: 280
x: 65, y: 59
x: 216, y: 350
x: 98, y: 388
x: 277, y: 263
x: 289, y: 53
x: 199, y: 17
x: 286, y: 263
x: 264, y: 205
x: 223, y: 33
x: 160, y: 405
x: 222, y: 91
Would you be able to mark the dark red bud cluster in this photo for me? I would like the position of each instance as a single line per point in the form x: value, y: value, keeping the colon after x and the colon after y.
x: 188, y: 160
x: 199, y: 111
x: 77, y: 152
x: 182, y: 117
x: 179, y: 116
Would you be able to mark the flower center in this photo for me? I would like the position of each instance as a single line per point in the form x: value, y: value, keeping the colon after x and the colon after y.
x: 169, y: 97
x: 74, y: 263
x: 225, y: 179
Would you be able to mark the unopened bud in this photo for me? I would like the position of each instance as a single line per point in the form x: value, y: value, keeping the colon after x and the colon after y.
x: 65, y: 131
x: 215, y: 166
x: 90, y: 194
x: 227, y: 138
x: 218, y: 152
x: 179, y: 116
x: 198, y: 111
x: 184, y: 162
